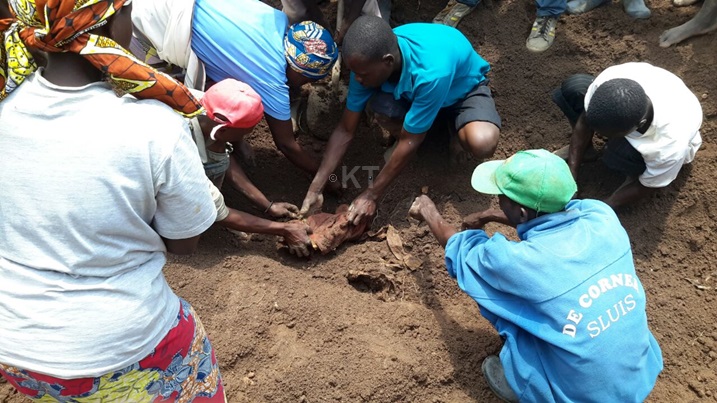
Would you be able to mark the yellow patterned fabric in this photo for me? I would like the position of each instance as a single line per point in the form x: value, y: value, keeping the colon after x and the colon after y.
x: 182, y: 369
x: 63, y: 26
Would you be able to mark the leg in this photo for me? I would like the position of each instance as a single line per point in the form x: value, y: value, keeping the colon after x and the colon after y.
x: 583, y: 6
x: 390, y: 128
x: 495, y: 376
x: 295, y: 10
x: 454, y: 12
x: 184, y: 350
x: 378, y: 8
x: 303, y: 10
x: 477, y: 124
x: 705, y: 21
x: 480, y: 139
x: 550, y: 8
x: 621, y: 156
x: 389, y: 114
x: 636, y: 9
x: 570, y: 96
x: 684, y: 3
x: 542, y: 34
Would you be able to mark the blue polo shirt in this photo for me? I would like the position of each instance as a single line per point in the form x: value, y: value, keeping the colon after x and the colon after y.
x: 244, y: 40
x: 568, y: 303
x: 439, y: 69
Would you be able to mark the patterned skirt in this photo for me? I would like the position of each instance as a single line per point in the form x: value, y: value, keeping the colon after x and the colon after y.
x: 182, y: 368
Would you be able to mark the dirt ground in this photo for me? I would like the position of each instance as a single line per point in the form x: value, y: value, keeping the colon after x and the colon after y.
x: 356, y: 325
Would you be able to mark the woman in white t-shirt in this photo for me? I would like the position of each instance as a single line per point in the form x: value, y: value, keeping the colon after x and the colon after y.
x: 90, y: 202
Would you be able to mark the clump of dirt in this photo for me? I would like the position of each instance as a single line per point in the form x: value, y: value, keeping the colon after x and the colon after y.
x: 324, y: 104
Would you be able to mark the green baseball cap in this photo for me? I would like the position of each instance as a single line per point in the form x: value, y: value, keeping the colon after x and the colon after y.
x: 537, y: 179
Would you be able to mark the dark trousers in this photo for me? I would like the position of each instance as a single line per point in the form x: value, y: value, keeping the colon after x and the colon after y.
x: 619, y: 154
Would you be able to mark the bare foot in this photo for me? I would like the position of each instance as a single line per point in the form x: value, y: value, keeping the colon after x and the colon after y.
x: 705, y: 21
x: 241, y: 236
x: 456, y: 154
x: 583, y: 6
x: 636, y: 9
x: 684, y: 3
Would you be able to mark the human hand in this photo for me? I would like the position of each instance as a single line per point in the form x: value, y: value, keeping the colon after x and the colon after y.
x: 419, y: 206
x: 296, y: 237
x: 362, y: 208
x: 480, y: 219
x: 283, y: 209
x: 475, y: 221
x: 312, y: 202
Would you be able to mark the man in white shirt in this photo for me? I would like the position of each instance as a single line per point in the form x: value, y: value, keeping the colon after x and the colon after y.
x: 649, y: 117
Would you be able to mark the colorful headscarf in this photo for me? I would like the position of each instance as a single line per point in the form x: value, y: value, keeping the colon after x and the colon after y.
x: 310, y: 50
x: 62, y: 26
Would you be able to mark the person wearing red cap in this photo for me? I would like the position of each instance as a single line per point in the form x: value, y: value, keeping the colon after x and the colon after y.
x: 233, y: 109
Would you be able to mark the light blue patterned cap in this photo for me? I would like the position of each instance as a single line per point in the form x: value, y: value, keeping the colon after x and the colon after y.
x: 310, y: 50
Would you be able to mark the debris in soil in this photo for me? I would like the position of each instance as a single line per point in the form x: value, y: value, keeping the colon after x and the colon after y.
x: 395, y: 245
x: 393, y: 239
x: 697, y: 284
x: 373, y: 282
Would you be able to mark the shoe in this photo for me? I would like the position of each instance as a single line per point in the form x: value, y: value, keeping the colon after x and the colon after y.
x: 542, y: 34
x: 441, y: 16
x: 576, y: 7
x: 493, y: 373
x: 453, y: 13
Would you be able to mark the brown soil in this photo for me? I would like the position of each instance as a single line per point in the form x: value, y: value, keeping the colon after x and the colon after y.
x: 361, y: 325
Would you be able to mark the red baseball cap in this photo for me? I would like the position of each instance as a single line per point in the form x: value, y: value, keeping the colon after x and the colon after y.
x: 233, y: 104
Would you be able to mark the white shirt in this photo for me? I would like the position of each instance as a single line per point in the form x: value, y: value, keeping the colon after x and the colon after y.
x: 167, y: 24
x: 673, y: 138
x: 89, y: 183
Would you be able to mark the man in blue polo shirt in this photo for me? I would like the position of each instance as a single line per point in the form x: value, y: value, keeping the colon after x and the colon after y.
x: 565, y: 298
x: 408, y: 75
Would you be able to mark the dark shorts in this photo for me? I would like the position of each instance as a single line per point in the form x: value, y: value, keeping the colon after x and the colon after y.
x: 477, y: 106
x: 621, y: 156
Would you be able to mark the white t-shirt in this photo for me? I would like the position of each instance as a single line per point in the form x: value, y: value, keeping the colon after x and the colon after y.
x: 673, y: 138
x: 88, y: 183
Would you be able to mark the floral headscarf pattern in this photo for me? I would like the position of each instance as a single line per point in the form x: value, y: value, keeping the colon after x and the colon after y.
x: 63, y: 26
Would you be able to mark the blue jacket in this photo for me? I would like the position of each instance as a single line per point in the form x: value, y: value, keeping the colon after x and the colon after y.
x: 568, y: 303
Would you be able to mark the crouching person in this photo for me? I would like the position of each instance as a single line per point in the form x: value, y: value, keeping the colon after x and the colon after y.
x: 565, y: 298
x: 85, y: 224
x: 233, y: 109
